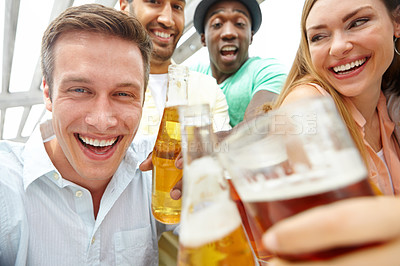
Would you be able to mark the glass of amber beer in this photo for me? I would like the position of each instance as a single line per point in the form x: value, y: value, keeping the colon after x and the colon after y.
x: 290, y: 160
x: 211, y: 232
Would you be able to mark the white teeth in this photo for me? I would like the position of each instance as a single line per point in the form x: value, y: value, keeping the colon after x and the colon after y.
x: 349, y: 65
x: 162, y: 34
x: 96, y: 142
x: 228, y: 48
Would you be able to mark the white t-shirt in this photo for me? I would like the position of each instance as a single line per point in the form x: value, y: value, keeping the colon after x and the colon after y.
x: 158, y: 86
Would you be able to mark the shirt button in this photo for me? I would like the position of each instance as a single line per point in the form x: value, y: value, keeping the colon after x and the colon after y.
x: 78, y: 194
x: 56, y: 176
x: 93, y: 239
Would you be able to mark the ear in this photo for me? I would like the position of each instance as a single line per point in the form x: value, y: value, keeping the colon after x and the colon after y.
x: 251, y: 37
x: 123, y: 5
x: 46, y: 96
x: 203, y: 39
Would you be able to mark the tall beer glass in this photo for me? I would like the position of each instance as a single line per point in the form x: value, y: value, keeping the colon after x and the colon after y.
x: 211, y: 232
x: 291, y: 160
x: 167, y: 148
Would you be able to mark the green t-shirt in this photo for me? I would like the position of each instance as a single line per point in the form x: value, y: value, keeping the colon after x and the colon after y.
x: 254, y: 75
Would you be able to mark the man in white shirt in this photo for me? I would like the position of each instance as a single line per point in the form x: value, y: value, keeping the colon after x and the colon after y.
x: 74, y: 193
x: 164, y: 20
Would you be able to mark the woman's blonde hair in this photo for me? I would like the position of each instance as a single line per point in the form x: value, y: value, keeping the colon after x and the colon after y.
x: 303, y: 72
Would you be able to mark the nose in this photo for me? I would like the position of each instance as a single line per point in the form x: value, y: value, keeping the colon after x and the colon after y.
x: 228, y: 31
x: 165, y: 17
x: 340, y: 45
x: 101, y: 115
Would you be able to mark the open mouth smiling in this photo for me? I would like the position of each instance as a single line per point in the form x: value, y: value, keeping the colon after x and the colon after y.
x: 229, y: 50
x: 349, y: 67
x: 98, y: 146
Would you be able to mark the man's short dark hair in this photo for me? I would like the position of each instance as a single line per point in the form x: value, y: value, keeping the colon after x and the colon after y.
x: 99, y: 19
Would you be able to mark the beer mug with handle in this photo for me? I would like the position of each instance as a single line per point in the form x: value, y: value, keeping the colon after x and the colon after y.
x: 290, y: 160
x: 211, y: 232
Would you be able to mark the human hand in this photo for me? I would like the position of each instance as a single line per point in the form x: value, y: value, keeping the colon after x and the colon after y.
x: 176, y: 191
x: 147, y: 164
x: 349, y: 222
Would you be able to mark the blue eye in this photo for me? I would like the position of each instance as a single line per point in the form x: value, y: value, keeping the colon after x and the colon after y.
x: 81, y: 90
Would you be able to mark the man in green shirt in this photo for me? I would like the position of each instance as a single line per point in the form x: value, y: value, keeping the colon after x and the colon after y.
x: 226, y: 29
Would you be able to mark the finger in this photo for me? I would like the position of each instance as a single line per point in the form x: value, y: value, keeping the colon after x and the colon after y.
x: 179, y: 161
x: 147, y: 164
x: 344, y: 223
x: 385, y: 254
x: 176, y: 191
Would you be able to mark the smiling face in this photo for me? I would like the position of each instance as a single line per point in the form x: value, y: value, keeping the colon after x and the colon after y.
x: 351, y: 46
x: 96, y: 103
x: 164, y: 20
x: 228, y: 35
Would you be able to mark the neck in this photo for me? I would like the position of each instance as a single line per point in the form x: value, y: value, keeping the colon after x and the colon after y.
x: 159, y: 67
x: 222, y: 76
x: 366, y: 105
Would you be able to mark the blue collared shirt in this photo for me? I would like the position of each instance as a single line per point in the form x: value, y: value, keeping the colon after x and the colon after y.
x: 48, y: 220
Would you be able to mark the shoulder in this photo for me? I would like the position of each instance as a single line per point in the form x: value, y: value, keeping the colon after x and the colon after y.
x: 201, y: 68
x: 202, y: 82
x: 301, y: 92
x: 197, y: 76
x: 266, y: 63
x: 11, y: 161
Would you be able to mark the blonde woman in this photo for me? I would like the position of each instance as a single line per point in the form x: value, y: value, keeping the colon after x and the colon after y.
x: 349, y: 51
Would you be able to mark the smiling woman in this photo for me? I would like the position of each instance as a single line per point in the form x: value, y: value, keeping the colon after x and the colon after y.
x: 349, y: 55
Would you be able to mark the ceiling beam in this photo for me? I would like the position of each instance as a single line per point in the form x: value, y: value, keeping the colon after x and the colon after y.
x: 28, y: 98
x: 110, y: 3
x: 10, y: 32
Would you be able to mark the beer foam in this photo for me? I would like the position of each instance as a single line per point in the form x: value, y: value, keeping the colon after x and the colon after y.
x: 208, y: 214
x: 342, y: 168
x: 209, y: 224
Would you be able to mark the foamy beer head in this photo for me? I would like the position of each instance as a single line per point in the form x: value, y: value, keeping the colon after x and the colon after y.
x: 304, y: 148
x: 211, y: 231
x: 209, y: 216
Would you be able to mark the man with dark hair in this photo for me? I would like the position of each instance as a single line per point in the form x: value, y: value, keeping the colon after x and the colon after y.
x: 226, y: 29
x: 74, y: 194
x: 164, y: 20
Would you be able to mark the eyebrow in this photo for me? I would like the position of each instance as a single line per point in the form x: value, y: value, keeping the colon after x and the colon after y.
x: 222, y: 10
x: 87, y: 81
x: 345, y: 18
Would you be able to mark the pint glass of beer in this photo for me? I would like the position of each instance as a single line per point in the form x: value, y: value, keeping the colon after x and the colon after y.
x: 290, y: 160
x: 211, y: 232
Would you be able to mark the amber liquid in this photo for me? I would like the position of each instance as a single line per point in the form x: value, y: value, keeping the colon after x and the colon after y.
x: 231, y: 250
x: 262, y: 215
x: 253, y: 230
x: 165, y: 174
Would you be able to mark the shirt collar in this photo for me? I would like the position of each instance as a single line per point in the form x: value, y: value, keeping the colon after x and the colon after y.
x: 36, y: 160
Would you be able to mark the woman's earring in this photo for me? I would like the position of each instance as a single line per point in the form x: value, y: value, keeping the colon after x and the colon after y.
x: 395, y: 49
